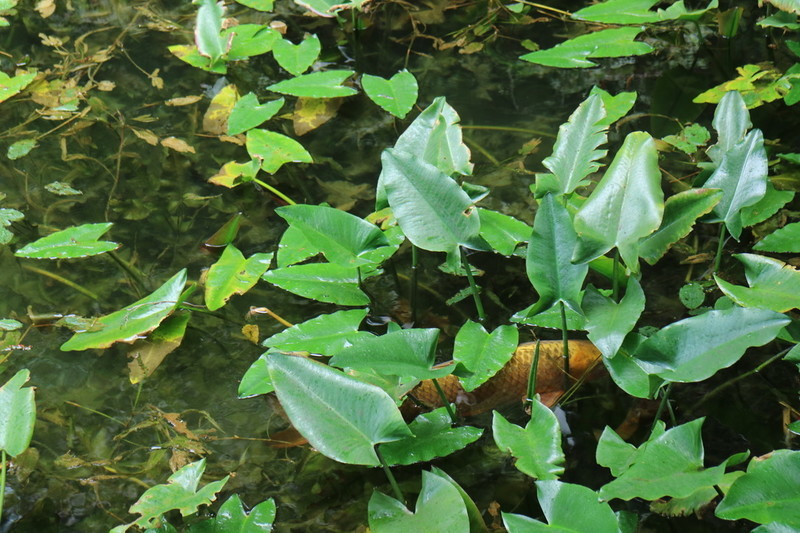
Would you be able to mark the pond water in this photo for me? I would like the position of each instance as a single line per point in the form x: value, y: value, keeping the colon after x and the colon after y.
x: 99, y: 440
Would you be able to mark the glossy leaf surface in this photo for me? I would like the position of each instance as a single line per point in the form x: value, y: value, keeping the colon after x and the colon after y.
x: 233, y: 274
x: 578, y: 52
x: 296, y: 58
x: 340, y: 416
x: 325, y: 84
x: 247, y: 40
x: 731, y: 121
x: 256, y: 379
x: 247, y: 113
x: 537, y: 447
x: 325, y: 282
x: 773, y: 284
x: 480, y: 354
x: 325, y: 334
x: 397, y: 95
x: 635, y: 12
x: 785, y: 240
x: 133, y: 321
x: 74, y: 242
x: 609, y: 322
x: 503, y: 233
x: 233, y: 518
x: 275, y: 149
x: 207, y: 29
x: 17, y: 414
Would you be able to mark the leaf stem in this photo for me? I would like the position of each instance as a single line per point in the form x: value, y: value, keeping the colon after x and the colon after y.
x: 65, y: 281
x: 2, y: 480
x: 473, y: 286
x: 721, y: 243
x: 534, y: 371
x: 445, y: 401
x: 275, y: 191
x: 398, y: 494
x: 565, y: 344
x: 414, y: 281
x: 661, y: 406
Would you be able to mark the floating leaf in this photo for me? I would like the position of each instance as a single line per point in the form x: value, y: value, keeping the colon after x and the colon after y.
x: 329, y: 8
x: 148, y: 354
x: 207, y: 29
x: 695, y: 348
x: 326, y: 84
x: 233, y: 174
x: 275, y: 149
x: 757, y: 84
x: 21, y: 148
x: 537, y: 448
x: 439, y: 509
x: 9, y: 86
x: 74, y: 242
x: 503, y: 233
x: 340, y: 416
x: 17, y: 414
x: 191, y: 55
x: 134, y: 321
x: 609, y: 322
x: 773, y: 284
x: 233, y: 274
x: 480, y: 354
x: 325, y: 334
x: 433, y: 436
x: 396, y: 95
x: 296, y: 58
x: 681, y: 211
x: 258, y: 5
x: 783, y: 240
x: 768, y: 492
x: 256, y: 379
x: 215, y: 119
x: 635, y: 12
x: 249, y: 40
x: 9, y: 324
x: 325, y: 282
x: 577, y: 52
x: 626, y: 205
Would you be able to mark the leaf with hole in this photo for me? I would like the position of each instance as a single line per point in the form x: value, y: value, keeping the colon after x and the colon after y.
x: 71, y: 243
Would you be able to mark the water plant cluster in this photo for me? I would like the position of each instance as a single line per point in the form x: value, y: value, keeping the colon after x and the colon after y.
x: 608, y: 214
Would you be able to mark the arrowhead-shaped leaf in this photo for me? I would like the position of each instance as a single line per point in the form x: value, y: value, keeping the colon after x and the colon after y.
x: 233, y: 274
x: 537, y: 447
x: 247, y: 113
x: 609, y: 322
x: 325, y: 282
x: 296, y: 58
x: 17, y: 414
x: 275, y: 149
x: 773, y: 284
x: 78, y: 241
x: 480, y: 354
x: 396, y: 95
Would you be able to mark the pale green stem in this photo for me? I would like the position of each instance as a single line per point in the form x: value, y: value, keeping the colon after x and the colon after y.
x: 275, y: 191
x: 565, y: 344
x: 398, y: 494
x: 475, y: 295
x: 445, y: 401
x: 721, y: 243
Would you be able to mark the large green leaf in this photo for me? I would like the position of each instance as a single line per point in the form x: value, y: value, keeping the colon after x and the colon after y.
x: 575, y: 154
x: 247, y: 113
x: 17, y: 414
x: 325, y: 84
x: 616, y: 106
x: 77, y: 241
x: 405, y: 353
x: 626, y: 205
x: 233, y: 274
x: 340, y: 416
x: 548, y: 263
x: 568, y: 508
x: 628, y: 374
x: 432, y: 210
x: 296, y: 58
x: 480, y: 354
x: 695, y: 348
x: 768, y: 492
x: 433, y: 436
x: 342, y: 238
x: 249, y: 40
x: 11, y: 85
x: 635, y: 12
x: 731, y: 121
x: 476, y: 522
x: 773, y: 284
x: 325, y: 282
x: 232, y: 517
x: 256, y: 379
x: 208, y: 27
x: 783, y: 240
x: 131, y: 322
x: 577, y: 52
x: 742, y: 177
x: 537, y: 447
x: 668, y: 464
x: 275, y: 149
x: 259, y: 5
x: 609, y: 322
x: 180, y: 492
x: 397, y: 95
x: 681, y: 211
x: 503, y: 233
x: 439, y: 509
x: 325, y: 334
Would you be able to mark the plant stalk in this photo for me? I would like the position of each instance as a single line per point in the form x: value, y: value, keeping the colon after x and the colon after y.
x: 275, y: 191
x: 445, y: 401
x: 2, y: 480
x: 414, y: 281
x: 565, y: 344
x: 398, y: 494
x: 661, y: 406
x: 534, y: 371
x: 473, y: 286
x: 614, y: 275
x: 718, y: 258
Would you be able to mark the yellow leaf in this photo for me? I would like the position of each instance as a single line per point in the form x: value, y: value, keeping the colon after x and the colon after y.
x: 146, y: 135
x: 106, y: 85
x: 250, y: 331
x: 45, y: 8
x: 183, y: 100
x: 178, y: 145
x: 215, y: 120
x: 311, y: 113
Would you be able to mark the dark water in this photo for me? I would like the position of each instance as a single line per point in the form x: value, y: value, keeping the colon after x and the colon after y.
x: 100, y: 441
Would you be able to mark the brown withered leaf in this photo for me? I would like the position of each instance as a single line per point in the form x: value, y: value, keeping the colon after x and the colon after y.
x: 311, y: 113
x: 173, y: 143
x: 146, y: 135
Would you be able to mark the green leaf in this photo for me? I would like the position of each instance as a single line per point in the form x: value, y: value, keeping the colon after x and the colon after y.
x: 147, y: 354
x: 681, y: 211
x: 397, y: 95
x: 191, y: 55
x: 296, y: 58
x: 7, y: 217
x: 695, y: 348
x: 405, y: 353
x: 668, y: 464
x: 256, y: 379
x: 568, y: 508
x: 576, y: 154
x: 617, y: 106
x: 616, y: 454
x: 325, y: 282
x: 21, y: 148
x: 247, y: 113
x: 433, y: 436
x: 696, y: 502
x: 480, y: 354
x: 342, y: 238
x: 434, y: 213
x: 548, y: 263
x: 9, y: 86
x: 626, y: 206
x: 208, y: 28
x: 249, y: 40
x: 783, y: 240
x: 233, y: 274
x: 71, y: 243
x: 325, y: 334
x: 439, y: 509
x: 577, y: 52
x: 294, y: 248
x: 790, y: 6
x: 329, y: 8
x: 258, y: 5
x: 537, y: 448
x: 773, y: 284
x: 768, y: 492
x: 772, y: 201
x: 635, y: 12
x: 340, y: 416
x: 731, y: 121
x: 275, y: 149
x: 17, y: 414
x: 742, y: 177
x: 327, y: 84
x: 61, y: 189
x: 628, y: 374
x: 476, y: 522
x: 609, y: 322
x: 9, y: 324
x: 131, y: 322
x: 690, y: 138
x: 232, y: 517
x: 180, y: 492
x: 503, y: 233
